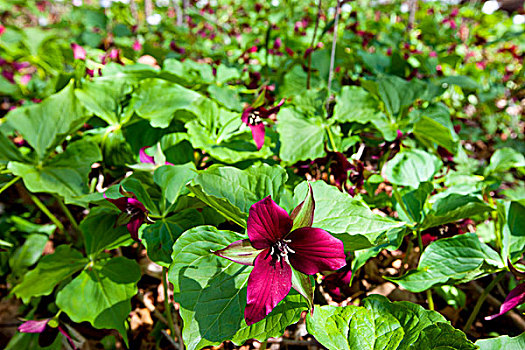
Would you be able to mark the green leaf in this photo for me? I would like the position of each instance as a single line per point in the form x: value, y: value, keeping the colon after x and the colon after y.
x: 157, y: 100
x: 104, y: 97
x: 172, y: 180
x: 458, y: 259
x: 443, y: 336
x: 355, y: 104
x: 301, y: 138
x: 411, y: 167
x: 134, y: 185
x: 304, y: 285
x: 397, y: 93
x: 345, y: 217
x: 225, y: 74
x: 214, y: 187
x: 160, y: 237
x: 226, y: 96
x: 380, y: 324
x: 101, y: 232
x: 65, y: 174
x: 241, y: 252
x: 8, y: 151
x: 462, y: 81
x: 50, y: 270
x: 502, y: 342
x: 430, y: 129
x: 513, y: 223
x: 454, y: 296
x: 106, y: 288
x: 303, y: 214
x: 414, y: 202
x: 504, y: 159
x: 47, y: 124
x: 211, y: 292
x: 29, y: 253
x: 452, y: 208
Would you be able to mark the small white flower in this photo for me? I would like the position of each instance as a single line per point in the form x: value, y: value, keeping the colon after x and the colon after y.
x: 346, y: 8
x: 42, y: 21
x: 490, y: 7
x: 162, y: 3
x: 404, y: 8
x: 275, y: 3
x: 77, y: 3
x: 518, y: 19
x: 154, y: 19
x: 331, y: 11
x: 105, y: 3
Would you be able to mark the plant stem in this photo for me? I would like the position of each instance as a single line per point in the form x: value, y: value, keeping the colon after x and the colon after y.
x: 312, y: 45
x: 430, y: 299
x: 331, y: 137
x: 46, y: 211
x: 332, y: 54
x: 7, y: 185
x: 400, y: 201
x: 480, y: 301
x: 167, y: 304
x: 70, y: 216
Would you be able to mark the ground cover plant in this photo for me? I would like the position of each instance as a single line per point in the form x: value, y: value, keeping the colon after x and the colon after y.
x: 245, y: 174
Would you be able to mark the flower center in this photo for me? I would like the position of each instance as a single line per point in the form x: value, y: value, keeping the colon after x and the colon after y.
x: 132, y: 211
x: 279, y: 250
x: 254, y: 118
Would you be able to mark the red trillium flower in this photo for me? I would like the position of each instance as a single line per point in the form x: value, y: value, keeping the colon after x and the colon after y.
x: 253, y: 117
x: 277, y: 242
x: 78, y: 52
x: 47, y: 333
x: 134, y: 214
x: 516, y: 297
x: 145, y: 158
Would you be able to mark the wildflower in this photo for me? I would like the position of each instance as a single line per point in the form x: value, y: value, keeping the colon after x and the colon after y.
x: 137, y: 46
x: 336, y: 283
x: 254, y: 118
x: 46, y: 331
x: 144, y: 158
x: 78, y: 52
x: 516, y: 297
x: 133, y: 214
x: 277, y: 242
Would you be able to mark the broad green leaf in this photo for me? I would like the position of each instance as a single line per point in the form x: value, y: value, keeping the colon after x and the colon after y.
x: 160, y: 236
x: 100, y: 231
x: 513, y: 224
x: 226, y: 96
x: 414, y: 202
x: 452, y: 208
x: 225, y: 73
x: 134, y: 185
x: 504, y: 159
x: 211, y: 292
x: 214, y: 187
x: 106, y: 288
x: 411, y: 167
x: 345, y: 217
x: 29, y: 253
x: 65, y: 174
x: 50, y: 270
x: 435, y: 127
x: 443, y: 336
x: 398, y: 94
x: 172, y: 180
x: 303, y: 214
x: 378, y: 324
x: 304, y: 285
x: 462, y: 81
x: 46, y: 124
x: 502, y: 342
x: 104, y: 97
x: 157, y: 100
x: 355, y: 104
x: 458, y: 259
x: 295, y: 81
x: 8, y: 151
x: 301, y: 138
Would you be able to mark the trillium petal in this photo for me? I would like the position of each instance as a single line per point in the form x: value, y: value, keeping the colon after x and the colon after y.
x: 267, y: 223
x: 33, y: 326
x: 269, y: 283
x: 240, y: 252
x: 120, y: 203
x: 258, y: 133
x: 134, y: 225
x: 136, y: 203
x: 315, y: 250
x: 516, y: 297
x: 144, y: 158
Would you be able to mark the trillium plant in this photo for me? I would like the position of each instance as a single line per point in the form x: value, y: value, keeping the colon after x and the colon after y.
x: 278, y: 243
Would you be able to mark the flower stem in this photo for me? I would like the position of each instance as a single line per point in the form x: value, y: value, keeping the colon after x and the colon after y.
x: 70, y: 216
x: 46, y: 211
x: 331, y: 137
x: 430, y: 299
x: 480, y: 301
x: 332, y: 54
x: 312, y: 45
x: 7, y: 185
x: 400, y: 201
x: 167, y: 304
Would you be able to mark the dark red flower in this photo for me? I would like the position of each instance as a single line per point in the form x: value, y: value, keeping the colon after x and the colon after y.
x: 133, y: 214
x: 516, y: 297
x: 42, y: 327
x: 277, y: 242
x: 336, y: 283
x: 254, y: 118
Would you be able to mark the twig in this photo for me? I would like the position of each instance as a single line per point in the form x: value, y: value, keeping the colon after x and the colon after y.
x: 332, y: 54
x: 178, y: 12
x: 480, y: 301
x: 7, y: 185
x: 156, y: 312
x: 170, y: 339
x: 46, y: 211
x: 70, y: 216
x: 312, y: 45
x: 167, y: 304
